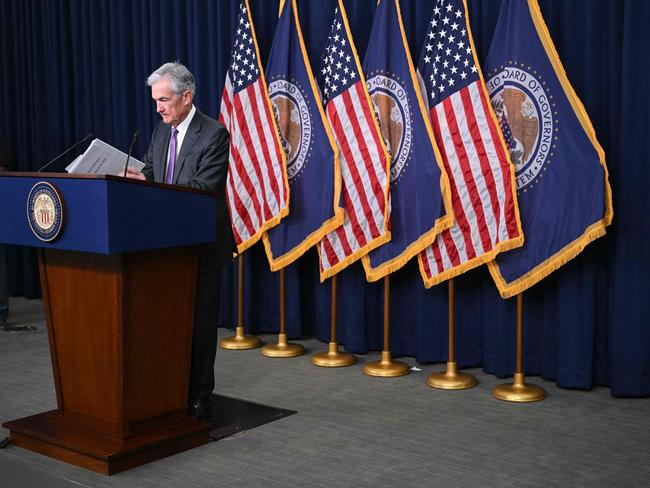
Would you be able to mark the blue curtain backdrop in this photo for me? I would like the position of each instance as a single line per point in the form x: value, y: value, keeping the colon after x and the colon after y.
x: 70, y: 67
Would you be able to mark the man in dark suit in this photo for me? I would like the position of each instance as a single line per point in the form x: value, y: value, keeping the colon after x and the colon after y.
x: 190, y: 149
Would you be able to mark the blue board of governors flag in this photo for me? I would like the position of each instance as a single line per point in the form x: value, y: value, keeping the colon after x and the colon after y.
x: 315, y: 207
x: 564, y: 196
x: 420, y: 198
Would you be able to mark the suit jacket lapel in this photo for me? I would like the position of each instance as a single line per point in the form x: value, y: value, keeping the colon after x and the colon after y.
x: 188, y: 143
x: 160, y: 167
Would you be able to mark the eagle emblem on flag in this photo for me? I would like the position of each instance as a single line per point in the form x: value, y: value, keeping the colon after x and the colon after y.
x: 293, y: 116
x: 525, y: 114
x: 394, y: 114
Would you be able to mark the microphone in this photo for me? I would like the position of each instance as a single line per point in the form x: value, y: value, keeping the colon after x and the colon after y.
x: 128, y: 156
x: 88, y: 137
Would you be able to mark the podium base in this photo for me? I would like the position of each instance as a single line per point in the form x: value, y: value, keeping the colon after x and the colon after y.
x: 47, y: 434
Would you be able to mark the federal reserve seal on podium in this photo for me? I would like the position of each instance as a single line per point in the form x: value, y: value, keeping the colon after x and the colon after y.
x: 45, y: 211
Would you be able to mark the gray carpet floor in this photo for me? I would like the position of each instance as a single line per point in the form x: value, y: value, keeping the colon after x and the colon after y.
x: 353, y: 430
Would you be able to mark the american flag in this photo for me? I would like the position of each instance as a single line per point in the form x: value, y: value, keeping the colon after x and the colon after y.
x: 365, y: 163
x: 257, y: 186
x: 474, y: 154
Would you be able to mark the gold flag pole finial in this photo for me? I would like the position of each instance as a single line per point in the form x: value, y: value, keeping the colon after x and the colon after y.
x: 282, y: 349
x: 519, y: 391
x: 386, y: 367
x: 240, y: 341
x: 333, y: 358
x: 451, y: 379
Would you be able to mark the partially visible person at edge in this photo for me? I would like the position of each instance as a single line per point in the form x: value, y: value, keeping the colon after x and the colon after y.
x: 5, y: 165
x: 189, y: 148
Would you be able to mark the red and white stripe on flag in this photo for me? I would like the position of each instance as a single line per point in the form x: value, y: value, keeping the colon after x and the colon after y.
x: 365, y: 162
x: 482, y: 188
x: 257, y: 187
x: 473, y: 151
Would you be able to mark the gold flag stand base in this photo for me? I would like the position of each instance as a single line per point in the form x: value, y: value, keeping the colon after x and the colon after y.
x: 451, y: 379
x: 386, y: 367
x: 333, y: 358
x: 283, y: 349
x: 519, y: 391
x: 239, y: 341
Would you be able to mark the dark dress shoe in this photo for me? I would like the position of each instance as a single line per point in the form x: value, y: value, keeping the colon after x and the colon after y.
x: 202, y: 408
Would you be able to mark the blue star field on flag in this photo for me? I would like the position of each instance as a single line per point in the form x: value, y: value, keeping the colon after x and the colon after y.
x: 447, y: 53
x: 339, y: 70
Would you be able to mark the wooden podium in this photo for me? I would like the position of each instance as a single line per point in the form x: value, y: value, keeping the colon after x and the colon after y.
x: 118, y: 288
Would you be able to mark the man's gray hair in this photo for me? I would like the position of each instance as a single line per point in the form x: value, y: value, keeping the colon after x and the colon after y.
x: 180, y: 77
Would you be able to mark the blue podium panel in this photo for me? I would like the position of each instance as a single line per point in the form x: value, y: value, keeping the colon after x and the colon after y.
x: 108, y: 214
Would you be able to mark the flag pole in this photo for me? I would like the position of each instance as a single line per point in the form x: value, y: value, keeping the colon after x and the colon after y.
x: 240, y: 341
x: 333, y: 358
x: 282, y: 349
x: 386, y: 367
x: 451, y: 379
x: 519, y: 391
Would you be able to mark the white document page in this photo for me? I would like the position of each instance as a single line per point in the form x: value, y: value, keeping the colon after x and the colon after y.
x: 102, y: 159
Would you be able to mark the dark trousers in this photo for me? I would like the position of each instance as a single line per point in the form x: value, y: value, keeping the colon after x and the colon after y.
x: 204, y: 338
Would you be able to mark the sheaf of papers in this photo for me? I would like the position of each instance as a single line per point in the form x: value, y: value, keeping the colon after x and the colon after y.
x: 102, y: 159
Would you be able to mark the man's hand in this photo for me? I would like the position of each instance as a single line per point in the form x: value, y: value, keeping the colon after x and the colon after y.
x: 134, y: 174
